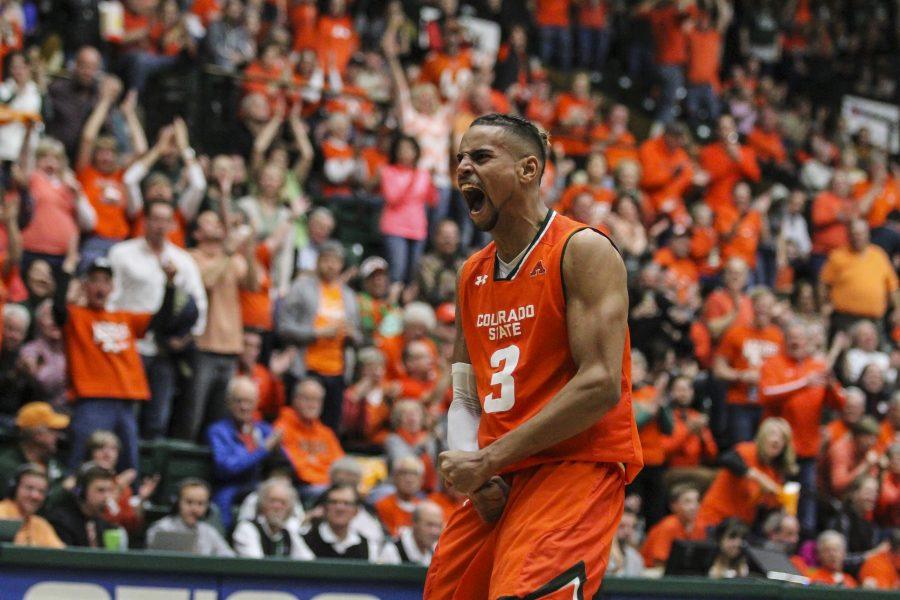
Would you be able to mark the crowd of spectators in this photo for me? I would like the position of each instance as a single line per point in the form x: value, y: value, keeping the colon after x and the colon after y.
x: 283, y: 292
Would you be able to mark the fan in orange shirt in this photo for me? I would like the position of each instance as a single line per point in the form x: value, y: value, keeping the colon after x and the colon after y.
x: 740, y: 226
x: 831, y: 549
x: 853, y: 410
x: 449, y: 69
x: 741, y: 352
x: 596, y: 172
x: 878, y: 195
x: 882, y: 570
x: 270, y: 388
x: 832, y: 211
x: 336, y: 37
x: 418, y: 324
x: 613, y: 137
x: 797, y: 386
x: 727, y: 162
x: 751, y: 476
x: 681, y: 271
x: 766, y: 140
x: 574, y: 117
x: 691, y: 443
x: 684, y: 501
x: 272, y: 76
x: 704, y: 40
x: 728, y: 306
x: 303, y: 16
x: 310, y: 446
x: 666, y: 170
x: 106, y: 375
x: 396, y: 510
x: 420, y: 372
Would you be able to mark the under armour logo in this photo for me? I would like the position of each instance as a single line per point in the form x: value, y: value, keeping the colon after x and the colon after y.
x: 480, y: 279
x: 538, y: 269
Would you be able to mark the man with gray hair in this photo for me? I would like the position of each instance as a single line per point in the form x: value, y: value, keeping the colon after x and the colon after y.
x: 320, y: 316
x: 240, y: 445
x: 415, y: 544
x: 797, y: 386
x: 831, y: 549
x: 274, y: 531
x: 13, y: 386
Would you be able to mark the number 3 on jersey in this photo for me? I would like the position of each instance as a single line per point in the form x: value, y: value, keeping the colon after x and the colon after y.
x: 505, y: 359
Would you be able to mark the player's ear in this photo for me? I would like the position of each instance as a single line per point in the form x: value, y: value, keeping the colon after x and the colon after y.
x: 529, y: 168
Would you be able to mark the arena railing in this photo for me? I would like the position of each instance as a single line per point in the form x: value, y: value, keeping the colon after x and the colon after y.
x: 40, y: 574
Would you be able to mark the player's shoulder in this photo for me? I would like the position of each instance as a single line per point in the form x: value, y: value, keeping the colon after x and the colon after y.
x: 586, y: 249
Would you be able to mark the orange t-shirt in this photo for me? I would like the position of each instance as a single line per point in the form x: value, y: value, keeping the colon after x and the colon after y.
x: 861, y: 282
x: 671, y: 42
x: 881, y: 570
x: 768, y: 145
x: 339, y: 152
x: 516, y: 332
x: 734, y: 496
x: 719, y: 303
x: 303, y: 19
x: 745, y: 347
x: 825, y: 577
x: 592, y: 14
x: 685, y: 448
x: 829, y: 231
x: 53, y: 222
x: 440, y: 68
x: 802, y: 408
x: 311, y: 447
x: 574, y: 139
x: 835, y: 430
x: 725, y: 172
x: 541, y: 111
x: 326, y: 356
x: 270, y: 390
x: 885, y: 202
x: 681, y: 274
x: 650, y: 434
x: 103, y: 361
x: 703, y: 241
x: 665, y: 175
x: 338, y: 37
x: 107, y: 195
x: 552, y: 13
x: 746, y: 230
x: 395, y: 513
x: 704, y: 57
x: 622, y: 148
x: 256, y: 307
x: 659, y: 540
x: 207, y: 10
x: 392, y: 348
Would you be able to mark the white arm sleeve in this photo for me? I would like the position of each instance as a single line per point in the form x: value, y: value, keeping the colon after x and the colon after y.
x: 465, y: 409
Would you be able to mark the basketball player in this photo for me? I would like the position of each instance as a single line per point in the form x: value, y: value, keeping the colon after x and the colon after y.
x: 541, y: 432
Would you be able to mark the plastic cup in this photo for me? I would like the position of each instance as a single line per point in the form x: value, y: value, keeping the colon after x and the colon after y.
x: 112, y: 539
x: 790, y: 497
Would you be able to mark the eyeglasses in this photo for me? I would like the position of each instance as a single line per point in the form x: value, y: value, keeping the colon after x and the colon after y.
x: 340, y: 503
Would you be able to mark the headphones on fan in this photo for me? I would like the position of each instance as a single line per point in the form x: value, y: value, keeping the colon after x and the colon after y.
x: 183, y: 485
x: 88, y: 473
x: 29, y: 468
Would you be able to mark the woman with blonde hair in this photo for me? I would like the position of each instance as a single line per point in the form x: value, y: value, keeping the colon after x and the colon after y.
x: 752, y: 475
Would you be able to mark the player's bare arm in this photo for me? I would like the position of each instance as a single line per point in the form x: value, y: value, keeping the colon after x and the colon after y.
x: 597, y: 309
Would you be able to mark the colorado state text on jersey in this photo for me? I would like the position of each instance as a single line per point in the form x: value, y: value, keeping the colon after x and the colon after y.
x: 505, y: 323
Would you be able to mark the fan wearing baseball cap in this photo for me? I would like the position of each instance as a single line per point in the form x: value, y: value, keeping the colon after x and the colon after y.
x: 39, y: 428
x: 106, y: 376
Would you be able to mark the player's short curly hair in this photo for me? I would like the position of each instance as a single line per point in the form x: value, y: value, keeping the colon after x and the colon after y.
x: 524, y: 129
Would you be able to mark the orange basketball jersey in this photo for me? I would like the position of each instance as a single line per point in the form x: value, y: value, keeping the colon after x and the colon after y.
x: 518, y: 343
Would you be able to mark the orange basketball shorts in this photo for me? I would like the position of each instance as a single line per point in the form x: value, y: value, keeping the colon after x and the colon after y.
x: 552, y: 541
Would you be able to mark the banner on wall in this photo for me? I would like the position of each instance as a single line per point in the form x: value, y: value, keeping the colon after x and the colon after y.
x: 38, y: 584
x: 882, y: 119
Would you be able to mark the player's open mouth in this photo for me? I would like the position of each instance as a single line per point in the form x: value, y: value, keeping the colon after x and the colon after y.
x: 475, y: 197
